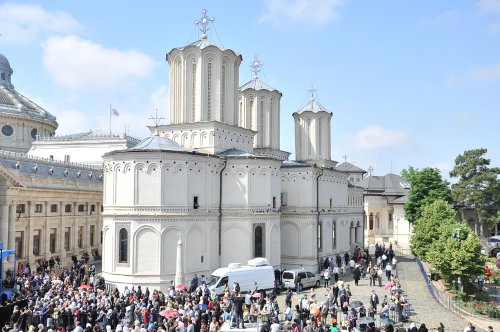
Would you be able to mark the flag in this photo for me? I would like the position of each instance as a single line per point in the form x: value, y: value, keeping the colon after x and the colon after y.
x: 115, y: 112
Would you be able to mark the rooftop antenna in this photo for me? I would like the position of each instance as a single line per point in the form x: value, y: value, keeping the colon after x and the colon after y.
x: 203, y: 23
x: 312, y: 91
x: 156, y: 120
x: 256, y: 66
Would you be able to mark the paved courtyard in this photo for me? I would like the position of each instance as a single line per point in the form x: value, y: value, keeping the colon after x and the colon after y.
x: 425, y: 308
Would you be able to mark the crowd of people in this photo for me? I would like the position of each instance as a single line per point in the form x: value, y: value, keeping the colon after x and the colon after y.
x: 52, y: 298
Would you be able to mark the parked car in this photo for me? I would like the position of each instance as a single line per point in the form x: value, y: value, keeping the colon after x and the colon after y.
x: 308, y: 279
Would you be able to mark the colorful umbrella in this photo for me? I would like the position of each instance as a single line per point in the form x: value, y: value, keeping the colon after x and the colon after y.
x: 181, y: 286
x: 83, y: 286
x: 169, y: 313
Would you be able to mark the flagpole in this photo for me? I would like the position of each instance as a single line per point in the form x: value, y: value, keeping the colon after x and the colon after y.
x: 110, y: 118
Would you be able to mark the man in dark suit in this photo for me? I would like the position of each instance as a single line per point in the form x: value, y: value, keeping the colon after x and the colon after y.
x: 374, y: 300
x: 238, y: 302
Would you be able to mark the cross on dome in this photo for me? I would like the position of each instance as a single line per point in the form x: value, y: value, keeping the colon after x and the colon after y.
x: 312, y: 91
x: 203, y: 23
x: 156, y: 119
x: 256, y: 66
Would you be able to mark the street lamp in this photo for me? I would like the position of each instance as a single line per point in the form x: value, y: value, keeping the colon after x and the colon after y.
x: 456, y: 236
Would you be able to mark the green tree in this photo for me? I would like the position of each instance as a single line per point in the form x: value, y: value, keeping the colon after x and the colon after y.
x: 428, y: 227
x: 457, y: 252
x: 478, y: 185
x: 426, y: 186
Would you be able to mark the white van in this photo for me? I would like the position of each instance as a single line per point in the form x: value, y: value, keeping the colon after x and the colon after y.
x: 258, y: 270
x: 308, y: 279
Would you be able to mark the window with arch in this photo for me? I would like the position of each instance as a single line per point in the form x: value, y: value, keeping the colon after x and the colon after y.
x: 258, y: 237
x: 370, y: 222
x: 3, y: 76
x: 209, y: 91
x: 334, y: 234
x: 193, y: 97
x: 123, y: 249
x: 320, y: 124
x: 222, y: 91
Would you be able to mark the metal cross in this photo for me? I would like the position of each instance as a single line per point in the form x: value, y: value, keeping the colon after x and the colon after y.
x: 312, y: 90
x: 156, y: 119
x: 345, y: 157
x: 256, y: 65
x: 204, y: 21
x: 370, y: 170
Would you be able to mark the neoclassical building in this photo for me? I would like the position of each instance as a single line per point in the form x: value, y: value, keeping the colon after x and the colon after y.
x: 384, y: 200
x: 22, y: 121
x: 48, y: 208
x: 216, y: 178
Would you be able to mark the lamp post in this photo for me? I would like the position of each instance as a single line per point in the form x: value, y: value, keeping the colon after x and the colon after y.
x: 456, y: 236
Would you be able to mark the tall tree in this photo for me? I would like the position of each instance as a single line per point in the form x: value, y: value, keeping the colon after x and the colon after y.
x: 478, y: 186
x: 428, y: 227
x: 457, y: 252
x: 426, y: 186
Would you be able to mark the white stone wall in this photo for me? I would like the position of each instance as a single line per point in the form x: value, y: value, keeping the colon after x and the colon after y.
x: 203, y: 84
x: 21, y: 139
x: 312, y: 135
x: 86, y: 152
x: 260, y: 112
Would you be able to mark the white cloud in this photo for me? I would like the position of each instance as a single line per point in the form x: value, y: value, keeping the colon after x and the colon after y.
x: 485, y: 74
x: 311, y: 12
x: 489, y: 6
x: 23, y: 23
x: 375, y: 137
x: 82, y: 64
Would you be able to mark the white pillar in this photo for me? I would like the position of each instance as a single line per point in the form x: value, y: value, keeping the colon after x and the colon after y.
x: 179, y: 267
x: 4, y: 232
x: 12, y: 229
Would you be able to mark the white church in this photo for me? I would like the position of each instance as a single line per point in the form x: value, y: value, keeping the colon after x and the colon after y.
x: 216, y: 178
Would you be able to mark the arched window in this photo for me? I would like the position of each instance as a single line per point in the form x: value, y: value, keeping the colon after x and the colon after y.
x: 258, y: 241
x: 123, y: 250
x: 3, y: 76
x: 222, y: 91
x: 209, y: 92
x: 193, y: 110
x: 370, y: 222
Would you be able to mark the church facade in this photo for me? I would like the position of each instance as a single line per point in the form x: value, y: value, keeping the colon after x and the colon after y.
x: 216, y: 178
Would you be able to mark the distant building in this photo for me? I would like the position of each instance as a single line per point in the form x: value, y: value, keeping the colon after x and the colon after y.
x: 384, y: 200
x: 48, y: 208
x: 87, y: 147
x: 21, y: 120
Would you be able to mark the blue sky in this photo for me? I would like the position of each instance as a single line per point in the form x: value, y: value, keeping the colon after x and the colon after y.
x: 408, y: 82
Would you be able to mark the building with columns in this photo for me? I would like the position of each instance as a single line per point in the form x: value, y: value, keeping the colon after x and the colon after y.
x: 385, y: 197
x: 21, y: 120
x: 48, y: 208
x: 216, y: 179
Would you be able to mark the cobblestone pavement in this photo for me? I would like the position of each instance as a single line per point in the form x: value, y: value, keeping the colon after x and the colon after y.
x: 425, y: 308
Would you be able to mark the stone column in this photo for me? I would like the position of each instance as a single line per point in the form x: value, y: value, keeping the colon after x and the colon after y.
x: 12, y: 229
x: 179, y: 267
x: 60, y: 242
x: 4, y: 232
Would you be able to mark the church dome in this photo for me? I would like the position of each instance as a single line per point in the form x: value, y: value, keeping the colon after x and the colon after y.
x: 312, y: 106
x: 22, y: 119
x: 4, y: 62
x: 158, y: 143
x: 257, y: 84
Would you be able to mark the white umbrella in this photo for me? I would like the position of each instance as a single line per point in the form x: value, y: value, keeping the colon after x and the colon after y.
x: 56, y: 281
